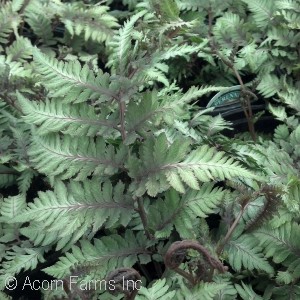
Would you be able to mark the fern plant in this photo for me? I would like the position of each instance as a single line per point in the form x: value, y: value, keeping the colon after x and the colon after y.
x: 115, y: 182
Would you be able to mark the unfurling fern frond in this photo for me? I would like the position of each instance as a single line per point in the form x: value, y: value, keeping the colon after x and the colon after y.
x: 72, y: 156
x: 104, y: 255
x: 162, y: 165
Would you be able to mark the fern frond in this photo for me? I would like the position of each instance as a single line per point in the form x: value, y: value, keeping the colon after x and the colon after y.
x: 69, y: 80
x: 244, y: 253
x: 279, y: 112
x: 104, y: 255
x: 151, y: 109
x: 40, y: 24
x: 25, y: 180
x: 157, y: 72
x: 94, y: 23
x: 167, y: 10
x: 269, y: 85
x: 78, y: 120
x: 7, y: 177
x: 181, y: 210
x: 21, y: 134
x: 282, y: 243
x: 287, y: 292
x: 16, y: 68
x: 246, y: 292
x: 142, y: 114
x: 288, y: 5
x: 209, y: 125
x: 290, y: 97
x: 179, y: 50
x: 193, y: 5
x: 204, y: 290
x: 57, y: 293
x: 228, y: 292
x: 158, y: 290
x: 72, y: 156
x: 79, y: 207
x: 3, y: 296
x: 230, y: 28
x: 9, y: 21
x: 292, y: 19
x: 262, y: 10
x: 295, y: 141
x: 162, y: 166
x: 195, y: 92
x: 46, y: 238
x: 20, y: 258
x: 284, y: 277
x: 184, y: 129
x: 20, y: 50
x: 284, y: 37
x: 11, y: 207
x: 254, y: 57
x: 269, y: 208
x: 121, y: 45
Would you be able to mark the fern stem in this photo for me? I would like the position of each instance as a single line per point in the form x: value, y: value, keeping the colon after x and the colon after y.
x: 186, y: 275
x: 249, y: 113
x: 122, y: 119
x: 143, y: 215
x: 230, y: 232
x: 246, y: 108
x: 25, y: 4
x: 227, y: 237
x: 145, y: 272
x: 9, y: 172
